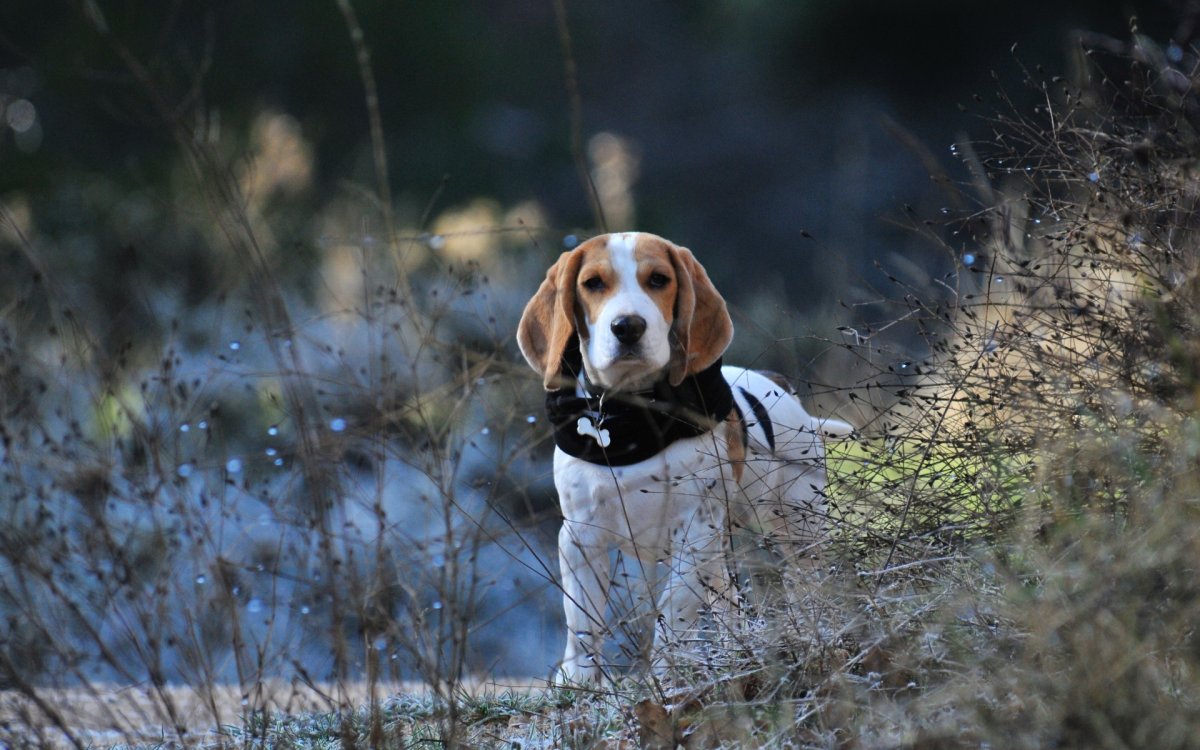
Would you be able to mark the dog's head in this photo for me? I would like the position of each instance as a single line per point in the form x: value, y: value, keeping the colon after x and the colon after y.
x: 642, y: 307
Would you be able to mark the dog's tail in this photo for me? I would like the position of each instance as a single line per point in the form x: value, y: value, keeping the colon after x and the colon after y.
x: 832, y: 429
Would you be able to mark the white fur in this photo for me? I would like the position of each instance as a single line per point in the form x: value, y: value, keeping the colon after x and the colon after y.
x: 650, y: 517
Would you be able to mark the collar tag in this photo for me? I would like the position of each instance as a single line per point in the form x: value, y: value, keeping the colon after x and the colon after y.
x: 585, y: 426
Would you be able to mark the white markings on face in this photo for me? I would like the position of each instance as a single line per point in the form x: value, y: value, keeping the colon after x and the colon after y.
x: 620, y: 249
x: 611, y: 364
x: 623, y: 244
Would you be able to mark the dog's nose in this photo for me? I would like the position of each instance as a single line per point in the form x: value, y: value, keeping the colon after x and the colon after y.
x: 629, y: 328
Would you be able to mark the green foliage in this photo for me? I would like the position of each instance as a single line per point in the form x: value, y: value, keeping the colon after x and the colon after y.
x: 877, y: 486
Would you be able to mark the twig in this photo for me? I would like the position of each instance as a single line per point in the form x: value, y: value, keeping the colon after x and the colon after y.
x: 572, y: 81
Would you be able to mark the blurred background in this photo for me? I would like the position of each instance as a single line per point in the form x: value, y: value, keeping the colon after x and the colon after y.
x: 781, y: 141
x: 730, y: 126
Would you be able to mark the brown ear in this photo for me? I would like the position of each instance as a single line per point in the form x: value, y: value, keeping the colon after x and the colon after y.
x: 702, y: 328
x: 549, y: 318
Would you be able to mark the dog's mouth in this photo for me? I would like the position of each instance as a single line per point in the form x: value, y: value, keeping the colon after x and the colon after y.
x: 627, y: 353
x: 629, y: 368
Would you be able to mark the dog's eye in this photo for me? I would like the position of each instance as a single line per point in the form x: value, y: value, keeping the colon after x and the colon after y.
x: 594, y: 284
x: 658, y: 280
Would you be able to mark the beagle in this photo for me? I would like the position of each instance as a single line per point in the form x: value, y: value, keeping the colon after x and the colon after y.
x: 660, y: 450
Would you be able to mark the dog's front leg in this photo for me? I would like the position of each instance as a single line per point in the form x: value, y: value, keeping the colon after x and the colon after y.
x: 583, y: 561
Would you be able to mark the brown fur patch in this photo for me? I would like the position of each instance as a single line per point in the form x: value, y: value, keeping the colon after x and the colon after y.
x: 735, y: 443
x: 596, y: 264
x: 652, y: 256
x: 702, y: 328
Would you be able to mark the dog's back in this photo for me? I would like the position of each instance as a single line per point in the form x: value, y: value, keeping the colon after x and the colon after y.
x: 783, y: 478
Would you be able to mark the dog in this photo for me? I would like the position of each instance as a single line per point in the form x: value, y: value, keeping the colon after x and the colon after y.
x: 660, y: 449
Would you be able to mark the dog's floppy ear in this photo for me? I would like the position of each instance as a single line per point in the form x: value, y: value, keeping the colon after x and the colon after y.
x: 549, y: 318
x: 702, y: 328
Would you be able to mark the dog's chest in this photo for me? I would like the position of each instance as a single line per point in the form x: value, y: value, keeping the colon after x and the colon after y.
x: 649, y: 501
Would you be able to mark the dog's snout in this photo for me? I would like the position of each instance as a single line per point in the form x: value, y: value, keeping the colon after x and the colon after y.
x: 629, y: 328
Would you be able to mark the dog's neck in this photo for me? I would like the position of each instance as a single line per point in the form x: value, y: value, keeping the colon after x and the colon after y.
x: 617, y: 427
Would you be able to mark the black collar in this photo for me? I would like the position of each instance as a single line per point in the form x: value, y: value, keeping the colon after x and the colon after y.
x: 618, y: 428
